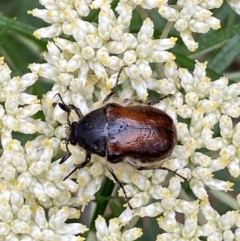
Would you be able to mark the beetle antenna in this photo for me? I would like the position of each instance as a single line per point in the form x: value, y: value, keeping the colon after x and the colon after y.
x: 121, y: 185
x: 113, y: 90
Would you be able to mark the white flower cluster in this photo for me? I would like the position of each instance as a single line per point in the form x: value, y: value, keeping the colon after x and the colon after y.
x: 191, y: 16
x: 16, y: 114
x: 216, y: 227
x: 97, y: 52
x: 21, y: 220
x: 84, y: 69
x: 113, y: 232
x: 188, y: 16
x: 29, y: 181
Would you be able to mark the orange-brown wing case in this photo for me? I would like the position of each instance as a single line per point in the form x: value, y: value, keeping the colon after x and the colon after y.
x: 142, y: 132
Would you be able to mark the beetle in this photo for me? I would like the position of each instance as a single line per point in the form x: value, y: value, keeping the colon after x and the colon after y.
x: 141, y: 133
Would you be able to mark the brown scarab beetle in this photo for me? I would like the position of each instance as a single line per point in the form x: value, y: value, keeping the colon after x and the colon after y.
x: 143, y: 134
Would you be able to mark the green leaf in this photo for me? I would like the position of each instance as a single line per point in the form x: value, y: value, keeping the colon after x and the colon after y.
x: 215, y: 39
x: 18, y: 44
x: 226, y: 56
x: 16, y: 26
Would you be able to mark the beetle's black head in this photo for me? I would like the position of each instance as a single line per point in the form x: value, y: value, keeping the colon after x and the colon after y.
x: 70, y: 134
x: 70, y: 138
x: 70, y: 129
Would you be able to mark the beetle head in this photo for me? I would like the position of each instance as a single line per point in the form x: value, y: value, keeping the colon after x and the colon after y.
x: 70, y: 134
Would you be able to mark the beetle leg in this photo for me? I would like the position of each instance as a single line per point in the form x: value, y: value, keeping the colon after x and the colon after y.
x: 163, y: 168
x: 145, y: 102
x: 79, y: 166
x: 67, y: 156
x: 113, y: 90
x: 121, y: 185
x: 154, y: 102
x: 166, y: 96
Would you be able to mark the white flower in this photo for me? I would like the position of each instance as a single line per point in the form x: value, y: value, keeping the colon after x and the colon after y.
x: 189, y: 17
x: 19, y: 107
x: 234, y: 4
x: 26, y: 219
x: 112, y: 232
